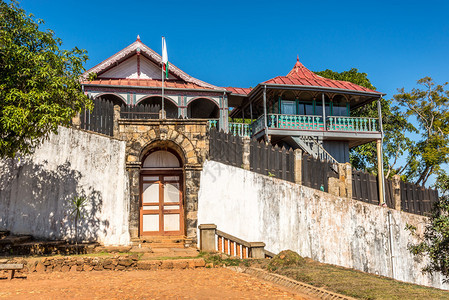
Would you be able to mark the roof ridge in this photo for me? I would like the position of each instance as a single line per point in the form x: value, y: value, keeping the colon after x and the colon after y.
x: 153, y: 55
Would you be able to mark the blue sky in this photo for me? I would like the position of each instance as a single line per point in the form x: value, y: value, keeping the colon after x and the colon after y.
x: 242, y: 43
x: 237, y: 43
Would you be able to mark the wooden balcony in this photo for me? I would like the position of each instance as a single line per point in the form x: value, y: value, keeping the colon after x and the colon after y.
x: 353, y: 129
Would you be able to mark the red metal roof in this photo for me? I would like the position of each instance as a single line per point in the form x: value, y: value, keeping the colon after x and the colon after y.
x: 147, y: 83
x: 300, y: 75
x: 239, y: 91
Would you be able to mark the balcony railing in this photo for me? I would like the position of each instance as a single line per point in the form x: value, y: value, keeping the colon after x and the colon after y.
x: 237, y: 129
x: 310, y: 122
x: 352, y: 124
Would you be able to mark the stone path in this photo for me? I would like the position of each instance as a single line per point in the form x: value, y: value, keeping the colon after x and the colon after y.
x: 215, y: 283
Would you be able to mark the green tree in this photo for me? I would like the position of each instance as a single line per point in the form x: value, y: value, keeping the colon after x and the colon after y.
x: 39, y: 82
x: 429, y: 106
x: 394, y: 122
x: 435, y: 242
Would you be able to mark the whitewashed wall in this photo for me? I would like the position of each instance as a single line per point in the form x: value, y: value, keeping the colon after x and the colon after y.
x: 35, y: 191
x: 329, y: 229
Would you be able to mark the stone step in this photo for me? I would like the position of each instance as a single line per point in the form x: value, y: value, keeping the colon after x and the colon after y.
x: 159, y: 239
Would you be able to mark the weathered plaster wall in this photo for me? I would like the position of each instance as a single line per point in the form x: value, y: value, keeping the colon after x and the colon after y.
x: 315, y: 224
x: 35, y: 191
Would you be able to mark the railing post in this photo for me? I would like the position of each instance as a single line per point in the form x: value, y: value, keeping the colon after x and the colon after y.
x: 115, y: 129
x: 207, y: 237
x: 298, y: 166
x: 246, y: 153
x: 397, y: 192
x: 257, y: 250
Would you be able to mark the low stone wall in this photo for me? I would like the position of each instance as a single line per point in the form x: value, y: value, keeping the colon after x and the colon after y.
x: 315, y: 224
x: 87, y: 264
x: 36, y: 191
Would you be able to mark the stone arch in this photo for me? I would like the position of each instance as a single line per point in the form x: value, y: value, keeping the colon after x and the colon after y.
x: 116, y: 99
x: 170, y: 106
x: 202, y: 107
x: 169, y: 139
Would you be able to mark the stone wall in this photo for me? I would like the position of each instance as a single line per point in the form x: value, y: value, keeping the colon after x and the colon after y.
x: 315, y: 224
x: 36, y: 191
x: 188, y: 138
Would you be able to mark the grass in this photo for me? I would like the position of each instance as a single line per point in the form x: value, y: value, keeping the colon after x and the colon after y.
x: 353, y: 283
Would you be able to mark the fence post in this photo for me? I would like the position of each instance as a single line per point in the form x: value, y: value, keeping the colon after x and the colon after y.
x: 246, y: 153
x: 298, y: 166
x: 115, y: 129
x: 76, y: 121
x: 207, y: 237
x: 257, y: 250
x: 342, y: 179
x: 333, y: 186
x: 348, y: 168
x: 397, y: 192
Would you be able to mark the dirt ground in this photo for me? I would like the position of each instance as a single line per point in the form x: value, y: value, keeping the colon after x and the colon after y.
x: 163, y: 284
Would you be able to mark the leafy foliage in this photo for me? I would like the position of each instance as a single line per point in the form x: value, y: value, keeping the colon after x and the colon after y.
x: 435, y: 242
x: 39, y: 82
x: 430, y: 107
x: 425, y: 146
x: 394, y: 122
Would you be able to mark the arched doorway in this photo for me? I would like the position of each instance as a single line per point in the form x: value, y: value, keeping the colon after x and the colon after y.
x: 161, y: 194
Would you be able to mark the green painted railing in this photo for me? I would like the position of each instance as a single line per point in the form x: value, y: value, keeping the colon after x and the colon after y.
x: 240, y: 129
x: 352, y: 124
x: 237, y: 129
x: 310, y: 122
x: 213, y: 123
x: 295, y: 122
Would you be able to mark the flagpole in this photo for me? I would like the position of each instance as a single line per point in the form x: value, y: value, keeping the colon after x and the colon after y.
x: 162, y: 73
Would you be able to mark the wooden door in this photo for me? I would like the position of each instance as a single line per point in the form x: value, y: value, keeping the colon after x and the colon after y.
x: 161, y: 209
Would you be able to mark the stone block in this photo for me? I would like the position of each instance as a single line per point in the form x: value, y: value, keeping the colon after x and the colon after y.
x: 199, y: 263
x: 180, y: 264
x: 40, y: 267
x: 167, y: 265
x: 65, y: 268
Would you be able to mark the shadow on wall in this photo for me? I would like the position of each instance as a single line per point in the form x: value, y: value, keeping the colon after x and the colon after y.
x: 36, y: 199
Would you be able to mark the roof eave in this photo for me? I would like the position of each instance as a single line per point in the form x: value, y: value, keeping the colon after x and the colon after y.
x: 151, y: 87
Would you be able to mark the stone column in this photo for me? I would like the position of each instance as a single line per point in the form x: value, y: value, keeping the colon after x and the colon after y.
x: 397, y: 192
x: 348, y: 184
x: 115, y: 129
x: 257, y: 250
x: 207, y: 237
x: 133, y: 169
x: 298, y: 166
x: 246, y: 153
x: 76, y: 121
x: 192, y: 181
x: 342, y: 179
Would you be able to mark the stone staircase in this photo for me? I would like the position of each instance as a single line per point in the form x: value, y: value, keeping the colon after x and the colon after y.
x: 164, y: 246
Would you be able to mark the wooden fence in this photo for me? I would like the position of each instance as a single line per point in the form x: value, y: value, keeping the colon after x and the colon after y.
x: 100, y: 119
x: 226, y: 148
x: 414, y: 199
x: 316, y: 173
x: 272, y: 161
